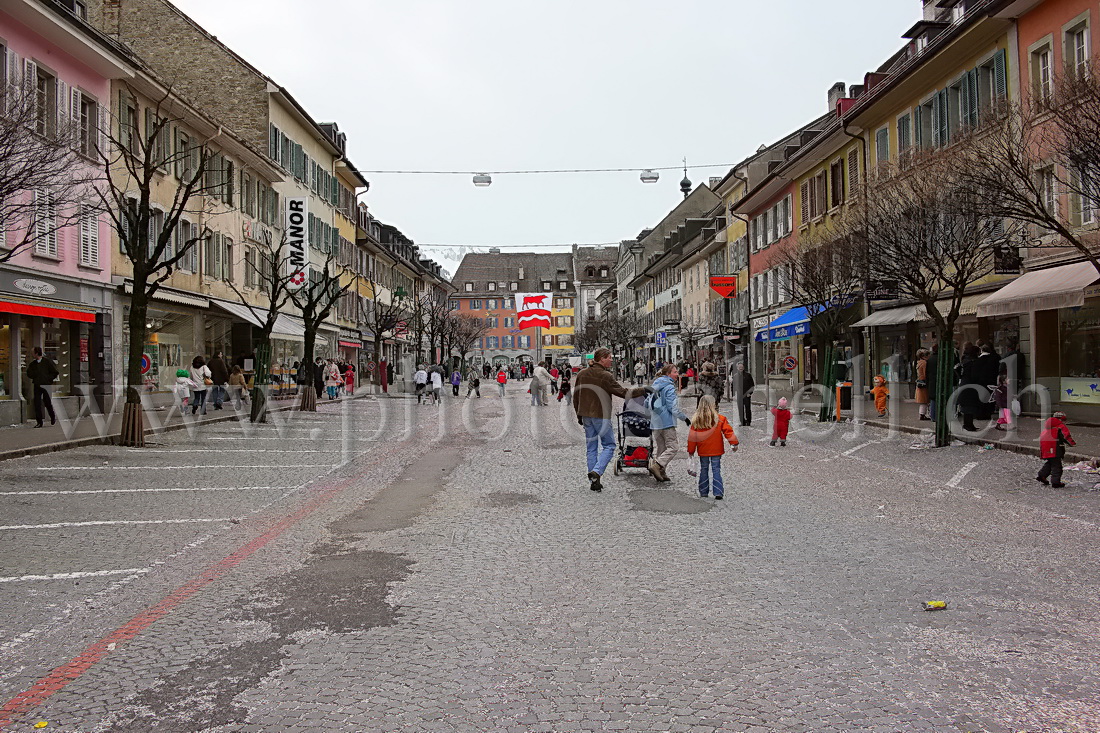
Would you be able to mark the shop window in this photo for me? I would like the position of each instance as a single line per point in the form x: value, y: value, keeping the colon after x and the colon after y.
x: 1079, y: 351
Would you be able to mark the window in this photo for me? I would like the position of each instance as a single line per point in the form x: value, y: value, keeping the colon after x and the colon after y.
x: 156, y: 137
x: 475, y: 304
x: 547, y: 340
x: 89, y: 236
x: 469, y: 287
x: 992, y: 81
x: 836, y: 175
x: 590, y: 271
x: 922, y: 125
x: 509, y: 322
x: 905, y: 141
x: 251, y: 272
x: 513, y: 286
x: 546, y: 285
x: 1076, y: 50
x: 86, y: 124
x: 491, y: 304
x: 819, y: 191
x: 491, y: 342
x: 491, y: 321
x: 565, y: 339
x: 1047, y: 189
x: 509, y: 304
x: 882, y: 145
x: 603, y: 272
x: 45, y: 98
x: 1087, y: 198
x: 1042, y: 81
x: 127, y: 122
x: 524, y: 342
x: 455, y: 305
x: 941, y: 113
x: 492, y: 286
x: 45, y: 223
x: 563, y: 321
x: 563, y: 285
x: 508, y: 341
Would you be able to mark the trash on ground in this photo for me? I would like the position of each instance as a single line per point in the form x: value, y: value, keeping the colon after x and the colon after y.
x: 41, y: 724
x: 987, y: 446
x: 1087, y: 466
x: 935, y: 605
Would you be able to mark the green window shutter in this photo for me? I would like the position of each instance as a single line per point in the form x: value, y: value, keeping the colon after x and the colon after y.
x: 964, y: 101
x: 974, y: 103
x: 937, y: 115
x: 1000, y: 75
x: 945, y: 117
x: 272, y: 142
x: 918, y: 137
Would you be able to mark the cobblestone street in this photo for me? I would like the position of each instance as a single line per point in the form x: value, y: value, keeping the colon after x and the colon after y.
x: 385, y: 566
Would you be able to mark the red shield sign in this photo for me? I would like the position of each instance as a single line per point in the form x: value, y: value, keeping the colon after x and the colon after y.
x: 724, y: 285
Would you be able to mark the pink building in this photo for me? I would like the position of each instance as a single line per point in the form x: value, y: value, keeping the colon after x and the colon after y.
x: 55, y: 285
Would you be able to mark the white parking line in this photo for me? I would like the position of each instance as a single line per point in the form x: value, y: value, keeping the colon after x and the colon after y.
x: 215, y: 450
x: 850, y: 451
x: 143, y: 491
x: 172, y: 468
x: 60, y: 525
x: 69, y: 576
x: 961, y: 474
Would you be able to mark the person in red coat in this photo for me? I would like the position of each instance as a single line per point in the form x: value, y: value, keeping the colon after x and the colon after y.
x: 1052, y: 447
x: 782, y: 422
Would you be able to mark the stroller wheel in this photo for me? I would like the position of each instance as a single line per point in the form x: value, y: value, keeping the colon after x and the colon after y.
x: 618, y: 467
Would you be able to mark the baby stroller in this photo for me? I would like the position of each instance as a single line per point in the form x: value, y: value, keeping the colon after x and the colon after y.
x: 635, y: 436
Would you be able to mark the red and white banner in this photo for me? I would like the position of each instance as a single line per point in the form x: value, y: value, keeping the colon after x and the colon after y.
x: 533, y: 309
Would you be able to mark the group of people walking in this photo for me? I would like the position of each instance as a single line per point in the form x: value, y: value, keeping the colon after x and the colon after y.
x: 211, y: 377
x: 987, y: 384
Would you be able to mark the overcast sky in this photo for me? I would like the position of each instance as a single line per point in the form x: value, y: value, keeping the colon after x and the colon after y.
x: 475, y: 85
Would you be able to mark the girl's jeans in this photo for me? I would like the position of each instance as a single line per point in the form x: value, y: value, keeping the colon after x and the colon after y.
x: 713, y: 466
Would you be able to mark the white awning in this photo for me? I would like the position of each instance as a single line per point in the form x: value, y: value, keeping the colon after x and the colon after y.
x: 168, y: 295
x: 240, y: 310
x: 1056, y: 287
x: 891, y: 316
x: 288, y: 327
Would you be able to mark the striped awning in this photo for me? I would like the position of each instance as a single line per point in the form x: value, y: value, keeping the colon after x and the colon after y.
x: 1050, y: 289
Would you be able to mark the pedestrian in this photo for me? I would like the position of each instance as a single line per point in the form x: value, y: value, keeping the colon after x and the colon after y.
x: 705, y: 436
x: 200, y: 375
x: 1052, y: 447
x: 485, y: 370
x: 741, y: 389
x: 592, y: 392
x: 711, y: 382
x: 182, y: 389
x: 987, y: 369
x: 540, y: 380
x: 318, y: 376
x: 639, y: 372
x: 502, y: 379
x: 554, y: 375
x: 420, y: 379
x: 437, y: 386
x: 881, y: 393
x: 1000, y: 399
x: 782, y: 422
x: 349, y: 379
x: 219, y: 372
x: 237, y: 386
x: 473, y: 384
x: 42, y: 373
x: 920, y: 394
x: 970, y: 393
x: 333, y: 379
x: 664, y: 409
x: 564, y: 387
x: 456, y: 380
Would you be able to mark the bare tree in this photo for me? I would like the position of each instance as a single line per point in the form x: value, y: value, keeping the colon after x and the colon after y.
x: 827, y: 272
x: 151, y: 238
x: 316, y: 299
x: 382, y: 317
x: 48, y: 170
x: 266, y: 271
x: 925, y: 227
x: 619, y: 332
x: 467, y: 331
x: 691, y: 333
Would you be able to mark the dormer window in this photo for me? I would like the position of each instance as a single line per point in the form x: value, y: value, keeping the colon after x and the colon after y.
x: 469, y: 287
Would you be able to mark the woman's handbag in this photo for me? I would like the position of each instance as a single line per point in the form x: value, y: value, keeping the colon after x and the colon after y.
x: 207, y: 381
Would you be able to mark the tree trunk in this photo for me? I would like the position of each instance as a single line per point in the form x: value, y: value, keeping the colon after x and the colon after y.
x: 945, y: 385
x: 309, y: 395
x: 133, y: 418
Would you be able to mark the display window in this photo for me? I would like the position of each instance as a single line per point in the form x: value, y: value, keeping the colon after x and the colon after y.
x: 1079, y: 353
x: 169, y: 345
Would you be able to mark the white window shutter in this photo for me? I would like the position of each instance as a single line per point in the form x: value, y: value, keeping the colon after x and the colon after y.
x: 74, y: 118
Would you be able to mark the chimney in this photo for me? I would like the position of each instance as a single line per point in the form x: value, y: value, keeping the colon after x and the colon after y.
x: 494, y: 250
x: 836, y: 93
x: 714, y: 181
x: 931, y: 9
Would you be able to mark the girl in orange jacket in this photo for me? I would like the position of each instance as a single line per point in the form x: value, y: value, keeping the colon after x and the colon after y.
x: 706, y: 433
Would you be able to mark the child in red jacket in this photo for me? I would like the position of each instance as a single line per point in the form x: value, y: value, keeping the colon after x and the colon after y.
x: 1052, y: 447
x: 782, y: 422
x: 705, y: 435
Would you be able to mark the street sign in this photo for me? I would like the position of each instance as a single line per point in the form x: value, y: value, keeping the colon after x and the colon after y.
x: 724, y: 285
x: 371, y: 366
x: 881, y: 290
x: 401, y: 328
x: 146, y: 363
x: 662, y: 338
x: 790, y: 363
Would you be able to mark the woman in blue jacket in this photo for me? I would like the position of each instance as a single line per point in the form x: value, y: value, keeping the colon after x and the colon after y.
x: 665, y: 411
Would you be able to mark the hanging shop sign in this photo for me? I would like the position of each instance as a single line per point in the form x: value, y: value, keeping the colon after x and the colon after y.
x: 724, y: 285
x: 881, y: 290
x: 297, y: 242
x: 1007, y: 260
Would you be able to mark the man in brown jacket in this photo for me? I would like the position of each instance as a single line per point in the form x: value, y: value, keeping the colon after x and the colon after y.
x: 592, y: 392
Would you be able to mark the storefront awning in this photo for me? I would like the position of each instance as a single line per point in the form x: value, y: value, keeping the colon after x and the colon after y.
x: 239, y: 310
x: 45, y: 309
x: 288, y: 327
x: 168, y: 295
x: 1056, y: 287
x: 795, y: 322
x: 891, y: 316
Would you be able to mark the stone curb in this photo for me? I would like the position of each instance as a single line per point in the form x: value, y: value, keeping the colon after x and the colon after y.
x: 36, y: 450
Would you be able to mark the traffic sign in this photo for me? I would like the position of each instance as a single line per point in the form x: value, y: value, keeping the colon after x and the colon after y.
x: 146, y: 363
x: 370, y: 366
x: 790, y: 363
x: 401, y: 328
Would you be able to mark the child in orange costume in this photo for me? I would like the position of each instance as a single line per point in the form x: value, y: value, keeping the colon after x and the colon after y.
x: 881, y: 393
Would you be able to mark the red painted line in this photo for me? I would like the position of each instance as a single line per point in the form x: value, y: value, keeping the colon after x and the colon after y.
x: 56, y: 680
